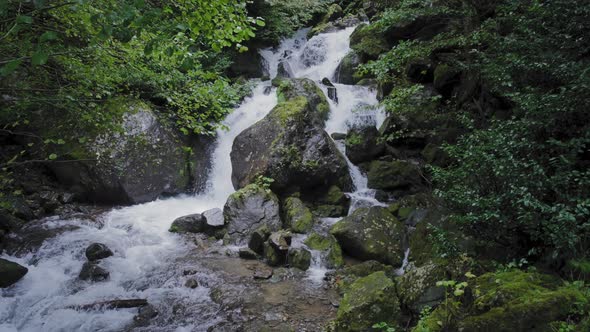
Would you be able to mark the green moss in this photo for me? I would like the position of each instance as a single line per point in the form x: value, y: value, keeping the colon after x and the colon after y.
x: 292, y: 109
x: 326, y: 243
x: 174, y: 229
x: 369, y: 42
x: 353, y: 139
x: 297, y: 215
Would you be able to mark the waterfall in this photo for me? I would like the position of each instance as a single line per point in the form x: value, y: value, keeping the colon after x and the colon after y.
x: 149, y: 261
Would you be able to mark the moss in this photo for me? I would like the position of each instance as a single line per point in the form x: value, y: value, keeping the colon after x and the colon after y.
x: 393, y: 175
x: 326, y: 243
x: 297, y: 216
x: 369, y: 42
x: 174, y: 229
x: 293, y: 109
x: 353, y: 139
x: 369, y: 300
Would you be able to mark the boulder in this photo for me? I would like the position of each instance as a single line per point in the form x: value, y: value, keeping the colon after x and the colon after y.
x: 144, y: 315
x: 372, y: 234
x: 258, y: 238
x: 247, y: 253
x: 248, y: 64
x: 346, y: 69
x: 193, y: 223
x: 445, y: 79
x: 290, y: 145
x: 397, y: 175
x: 214, y: 218
x: 97, y: 251
x: 369, y: 42
x: 368, y: 301
x: 91, y: 271
x: 10, y: 273
x: 328, y: 203
x: 338, y: 136
x: 297, y: 216
x: 362, y: 144
x: 349, y: 274
x: 191, y: 283
x: 145, y: 161
x: 284, y: 70
x: 332, y: 92
x: 329, y: 245
x: 417, y: 288
x: 299, y: 258
x: 419, y: 27
x: 249, y: 209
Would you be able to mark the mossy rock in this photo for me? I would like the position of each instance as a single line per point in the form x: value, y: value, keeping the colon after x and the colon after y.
x: 369, y: 300
x: 372, y: 234
x: 417, y: 287
x: 401, y: 176
x: 369, y: 42
x: 297, y: 216
x: 299, y: 258
x: 349, y: 274
x: 330, y: 203
x: 328, y: 244
x: 10, y: 273
x: 345, y: 73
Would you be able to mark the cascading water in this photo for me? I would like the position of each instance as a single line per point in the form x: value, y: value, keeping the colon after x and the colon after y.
x: 149, y: 261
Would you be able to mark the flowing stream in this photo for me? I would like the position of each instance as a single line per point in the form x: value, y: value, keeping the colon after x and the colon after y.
x: 151, y: 263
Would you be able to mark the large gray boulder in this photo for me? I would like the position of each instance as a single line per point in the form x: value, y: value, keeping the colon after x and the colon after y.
x: 10, y: 272
x: 290, y: 145
x: 372, y: 234
x: 249, y: 209
x: 363, y: 144
x: 345, y: 71
x: 144, y: 161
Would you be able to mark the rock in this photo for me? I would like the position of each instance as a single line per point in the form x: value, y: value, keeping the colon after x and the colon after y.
x: 299, y: 258
x: 330, y: 203
x: 248, y: 64
x: 10, y: 273
x: 249, y: 209
x: 112, y: 304
x: 435, y: 155
x: 345, y: 73
x: 332, y: 92
x: 193, y: 223
x: 325, y: 24
x: 191, y: 283
x: 98, y: 251
x: 368, y: 300
x: 398, y: 175
x: 284, y: 70
x: 290, y: 145
x: 144, y: 315
x: 263, y: 273
x: 247, y: 253
x: 362, y: 144
x: 297, y: 216
x: 420, y: 71
x: 277, y: 248
x: 92, y: 272
x: 371, y: 234
x: 258, y: 238
x: 417, y: 287
x: 50, y: 201
x: 214, y: 217
x: 369, y: 42
x: 338, y: 136
x: 280, y: 240
x: 144, y: 162
x: 349, y: 274
x: 328, y: 244
x: 8, y: 222
x: 445, y: 79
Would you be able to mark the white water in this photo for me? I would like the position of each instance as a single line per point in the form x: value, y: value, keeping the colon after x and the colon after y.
x: 147, y: 257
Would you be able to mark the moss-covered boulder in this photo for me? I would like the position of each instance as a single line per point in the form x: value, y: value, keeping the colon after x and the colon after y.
x: 329, y: 202
x: 363, y: 144
x: 329, y: 245
x: 345, y: 73
x: 368, y: 41
x: 290, y: 145
x: 297, y: 216
x: 372, y: 234
x: 349, y: 274
x: 147, y: 159
x: 417, y: 288
x: 10, y: 273
x: 299, y: 258
x: 249, y: 209
x: 521, y: 301
x: 398, y: 176
x: 369, y: 300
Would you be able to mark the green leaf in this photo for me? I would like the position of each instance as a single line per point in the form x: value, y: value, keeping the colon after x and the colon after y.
x: 52, y: 156
x: 260, y: 22
x: 47, y: 36
x: 39, y: 58
x: 10, y: 67
x: 23, y: 19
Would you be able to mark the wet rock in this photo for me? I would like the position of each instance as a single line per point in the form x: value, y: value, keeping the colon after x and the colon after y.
x: 247, y: 253
x: 284, y: 70
x: 91, y: 271
x: 98, y: 251
x: 49, y: 200
x: 249, y: 64
x: 263, y: 273
x: 338, y: 136
x: 362, y: 144
x: 299, y: 258
x: 214, y: 217
x: 191, y: 283
x: 372, y: 234
x: 417, y: 287
x: 277, y: 248
x: 345, y: 73
x: 328, y: 203
x: 144, y: 315
x: 368, y: 41
x: 329, y: 244
x: 144, y: 162
x: 258, y: 238
x: 368, y: 300
x: 290, y: 144
x: 349, y: 274
x: 192, y: 223
x: 332, y: 92
x: 10, y: 273
x: 280, y: 240
x: 400, y: 176
x: 249, y: 209
x: 297, y: 216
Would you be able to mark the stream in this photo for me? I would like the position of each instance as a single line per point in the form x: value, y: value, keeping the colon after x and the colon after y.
x: 151, y: 263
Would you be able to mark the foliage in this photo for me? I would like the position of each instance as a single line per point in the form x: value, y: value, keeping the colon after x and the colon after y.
x: 383, y: 326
